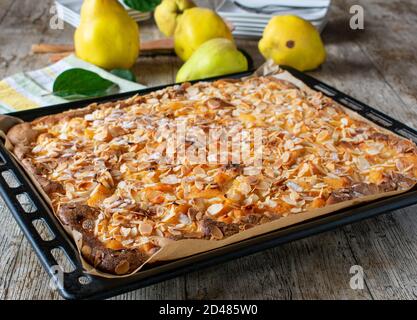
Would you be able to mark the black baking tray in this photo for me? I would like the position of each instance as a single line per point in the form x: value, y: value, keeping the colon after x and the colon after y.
x: 78, y: 285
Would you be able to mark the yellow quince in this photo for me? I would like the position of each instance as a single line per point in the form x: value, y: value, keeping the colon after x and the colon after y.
x: 292, y: 41
x: 196, y: 26
x: 168, y: 12
x: 107, y: 36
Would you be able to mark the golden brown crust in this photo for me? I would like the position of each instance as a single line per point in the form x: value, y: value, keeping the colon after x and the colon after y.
x: 356, y: 191
x: 22, y: 135
x: 38, y: 172
x: 82, y: 219
x: 211, y: 227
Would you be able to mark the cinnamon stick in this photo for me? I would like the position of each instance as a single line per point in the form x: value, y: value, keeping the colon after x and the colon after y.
x: 159, y: 44
x: 150, y: 45
x: 55, y: 57
x: 60, y: 51
x: 52, y: 48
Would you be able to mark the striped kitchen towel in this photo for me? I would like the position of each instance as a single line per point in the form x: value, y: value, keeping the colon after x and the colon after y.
x: 29, y: 90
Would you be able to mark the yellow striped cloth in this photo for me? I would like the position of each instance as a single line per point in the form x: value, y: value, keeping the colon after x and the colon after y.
x: 29, y: 90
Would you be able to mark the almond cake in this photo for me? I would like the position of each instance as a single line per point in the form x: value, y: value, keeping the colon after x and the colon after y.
x: 102, y: 169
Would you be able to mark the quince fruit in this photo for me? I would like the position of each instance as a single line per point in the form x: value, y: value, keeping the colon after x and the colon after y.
x: 107, y: 36
x: 213, y: 58
x: 196, y: 26
x: 292, y: 41
x: 168, y: 12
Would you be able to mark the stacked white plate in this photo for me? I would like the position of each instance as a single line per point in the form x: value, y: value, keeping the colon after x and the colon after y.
x: 69, y: 11
x: 249, y: 17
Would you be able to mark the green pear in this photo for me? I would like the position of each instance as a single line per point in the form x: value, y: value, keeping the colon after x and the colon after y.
x: 213, y: 58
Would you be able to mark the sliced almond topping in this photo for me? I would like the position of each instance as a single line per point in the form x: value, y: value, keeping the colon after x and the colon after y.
x: 264, y: 185
x: 174, y: 231
x: 116, y: 131
x: 233, y: 195
x: 169, y: 215
x: 323, y: 136
x: 295, y: 187
x: 198, y: 171
x: 285, y: 157
x: 289, y: 144
x: 253, y: 198
x: 134, y: 231
x: 125, y: 231
x: 374, y: 148
x: 245, y: 188
x: 199, y: 184
x: 184, y: 219
x: 170, y: 179
x: 344, y: 121
x: 122, y: 267
x: 305, y: 168
x: 86, y: 250
x: 145, y: 229
x: 215, y: 209
x: 216, y: 232
x: 289, y: 200
x: 269, y: 172
x: 271, y: 203
x: 294, y: 195
x: 363, y: 164
x: 252, y: 180
x: 217, y: 103
x: 103, y: 135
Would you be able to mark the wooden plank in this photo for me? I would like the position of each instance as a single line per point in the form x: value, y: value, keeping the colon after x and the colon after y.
x: 313, y: 268
x: 386, y: 249
x: 360, y: 76
x: 25, y: 23
x: 392, y: 47
x: 4, y: 8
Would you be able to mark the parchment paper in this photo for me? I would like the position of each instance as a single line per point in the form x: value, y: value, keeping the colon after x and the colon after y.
x: 172, y: 250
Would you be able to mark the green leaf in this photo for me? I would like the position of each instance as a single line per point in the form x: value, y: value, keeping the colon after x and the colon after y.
x: 124, y: 74
x: 142, y: 5
x: 79, y: 83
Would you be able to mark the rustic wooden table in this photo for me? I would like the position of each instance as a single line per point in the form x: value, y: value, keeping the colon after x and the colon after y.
x: 376, y: 65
